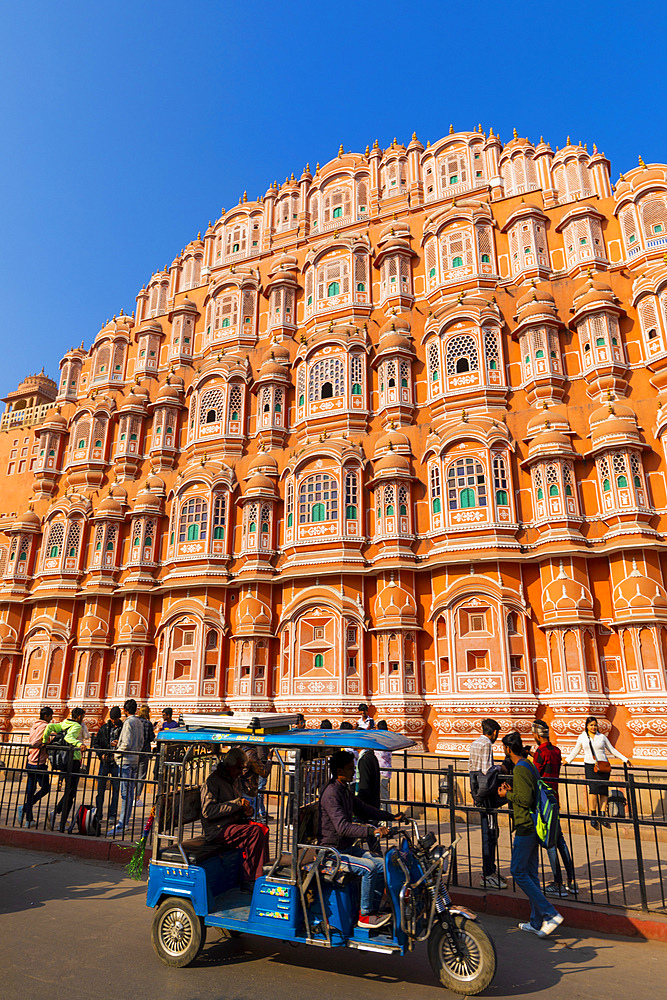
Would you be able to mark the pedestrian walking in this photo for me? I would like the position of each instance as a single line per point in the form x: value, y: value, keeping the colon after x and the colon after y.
x: 596, y: 749
x: 384, y: 760
x: 38, y: 772
x: 130, y: 743
x: 547, y: 759
x: 544, y: 918
x: 144, y: 716
x: 73, y: 730
x: 480, y: 763
x: 105, y: 742
x: 364, y: 721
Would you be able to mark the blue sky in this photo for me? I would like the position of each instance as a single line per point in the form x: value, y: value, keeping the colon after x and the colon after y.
x: 126, y: 126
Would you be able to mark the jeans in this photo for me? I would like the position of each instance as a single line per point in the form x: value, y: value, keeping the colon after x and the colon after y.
x: 260, y: 803
x: 64, y: 806
x: 560, y: 847
x: 524, y: 871
x: 127, y: 787
x: 108, y: 773
x: 37, y: 775
x: 489, y: 827
x: 371, y: 870
x: 385, y: 778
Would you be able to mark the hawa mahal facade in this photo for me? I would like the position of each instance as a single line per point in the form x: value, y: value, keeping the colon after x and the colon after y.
x: 392, y: 433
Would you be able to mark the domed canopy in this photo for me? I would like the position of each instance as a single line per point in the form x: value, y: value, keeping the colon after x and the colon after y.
x: 614, y: 424
x: 566, y: 601
x: 392, y: 441
x: 28, y: 521
x: 638, y: 597
x: 395, y: 605
x: 549, y: 417
x: 109, y: 507
x: 264, y: 464
x: 251, y: 615
x: 392, y: 463
x: 93, y: 629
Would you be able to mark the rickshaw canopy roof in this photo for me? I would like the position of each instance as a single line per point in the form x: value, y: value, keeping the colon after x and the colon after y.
x: 352, y: 739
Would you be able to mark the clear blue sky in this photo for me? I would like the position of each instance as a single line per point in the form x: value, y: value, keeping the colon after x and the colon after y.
x: 126, y: 126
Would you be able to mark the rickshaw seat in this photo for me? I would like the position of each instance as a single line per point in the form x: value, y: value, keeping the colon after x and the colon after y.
x: 196, y: 851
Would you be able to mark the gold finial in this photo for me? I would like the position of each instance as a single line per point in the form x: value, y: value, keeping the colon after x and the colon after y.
x: 317, y: 169
x: 414, y: 137
x: 394, y: 142
x: 515, y: 133
x: 292, y: 176
x: 491, y: 135
x: 479, y: 128
x: 340, y: 149
x: 451, y: 130
x: 641, y: 162
x: 464, y: 416
x: 595, y: 149
x: 308, y: 168
x: 245, y: 196
x: 367, y: 149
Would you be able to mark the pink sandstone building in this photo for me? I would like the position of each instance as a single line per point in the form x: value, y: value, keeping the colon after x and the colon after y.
x: 391, y: 433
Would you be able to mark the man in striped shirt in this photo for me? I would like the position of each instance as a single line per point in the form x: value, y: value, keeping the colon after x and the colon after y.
x: 480, y: 762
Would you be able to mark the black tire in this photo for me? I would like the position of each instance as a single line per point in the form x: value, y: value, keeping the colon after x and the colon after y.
x: 471, y: 973
x: 178, y: 934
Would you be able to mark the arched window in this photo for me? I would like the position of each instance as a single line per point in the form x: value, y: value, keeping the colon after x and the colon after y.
x: 459, y: 348
x: 351, y: 495
x: 436, y: 501
x: 319, y: 660
x: 356, y: 373
x: 235, y: 405
x: 219, y: 515
x: 333, y: 288
x: 462, y: 365
x: 329, y: 372
x: 622, y: 481
x: 433, y: 355
x: 56, y: 538
x: 318, y: 499
x: 194, y: 517
x: 466, y: 484
x: 403, y: 500
x: 290, y: 504
x: 333, y: 278
x: 211, y: 407
x: 327, y: 391
x: 500, y: 481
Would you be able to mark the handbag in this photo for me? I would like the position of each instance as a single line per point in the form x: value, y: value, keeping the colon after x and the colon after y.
x: 600, y: 766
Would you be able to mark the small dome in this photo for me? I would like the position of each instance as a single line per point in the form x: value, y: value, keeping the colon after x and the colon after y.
x: 260, y: 484
x: 132, y: 625
x: 593, y: 291
x: 395, y: 604
x: 392, y: 462
x: 264, y: 463
x: 251, y: 614
x: 613, y: 423
x: 395, y: 228
x: 92, y: 627
x: 392, y: 441
x: 550, y: 442
x: 109, y: 506
x: 396, y: 324
x: 638, y: 595
x: 28, y: 521
x: 554, y: 416
x: 565, y: 600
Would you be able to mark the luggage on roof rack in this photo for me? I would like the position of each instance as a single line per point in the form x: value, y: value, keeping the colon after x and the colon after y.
x: 240, y: 722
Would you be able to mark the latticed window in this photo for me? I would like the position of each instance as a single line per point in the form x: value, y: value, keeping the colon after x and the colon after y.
x: 56, y: 538
x: 629, y: 227
x: 333, y: 278
x: 248, y: 308
x: 278, y: 397
x: 362, y: 196
x: 553, y: 481
x: 360, y: 272
x: 500, y: 481
x: 301, y: 385
x: 453, y: 170
x: 403, y: 500
x: 237, y: 238
x: 405, y: 374
x: 466, y: 484
x: 99, y: 537
x: 318, y: 499
x: 336, y: 204
x: 226, y: 310
x: 554, y: 350
x: 436, y: 491
x: 456, y: 249
x: 538, y: 340
x: 357, y: 374
x: 620, y: 467
x: 251, y: 513
x: 73, y: 539
x: 99, y: 430
x: 636, y: 468
x: 235, y: 406
x: 111, y: 538
x: 653, y: 213
x: 211, y: 406
x: 309, y: 286
x: 102, y: 363
x: 149, y: 537
x: 118, y: 358
x: 351, y: 495
x: 265, y: 518
x: 649, y: 319
x: 484, y: 244
x: 431, y: 259
x: 290, y: 504
x: 605, y: 477
x: 462, y: 355
x: 491, y: 350
x: 389, y: 501
x: 568, y: 479
x: 315, y: 210
x: 538, y: 484
x: 326, y: 379
x: 80, y: 436
x: 433, y: 353
x: 219, y: 517
x: 194, y: 517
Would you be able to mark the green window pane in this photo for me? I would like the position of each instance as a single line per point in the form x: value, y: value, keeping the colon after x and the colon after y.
x: 193, y: 533
x: 466, y: 498
x: 333, y: 289
x: 351, y: 512
x: 553, y: 490
x: 437, y: 506
x: 501, y: 498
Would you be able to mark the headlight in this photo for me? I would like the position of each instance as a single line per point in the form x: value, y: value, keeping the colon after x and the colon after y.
x: 438, y: 852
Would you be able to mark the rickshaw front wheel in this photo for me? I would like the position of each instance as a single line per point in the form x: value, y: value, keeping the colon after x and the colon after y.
x: 177, y: 932
x: 469, y: 968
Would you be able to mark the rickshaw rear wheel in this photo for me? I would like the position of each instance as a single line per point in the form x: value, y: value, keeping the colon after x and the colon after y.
x: 472, y: 970
x: 177, y: 933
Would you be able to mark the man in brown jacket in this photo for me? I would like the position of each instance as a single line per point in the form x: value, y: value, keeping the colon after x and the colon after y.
x: 226, y: 814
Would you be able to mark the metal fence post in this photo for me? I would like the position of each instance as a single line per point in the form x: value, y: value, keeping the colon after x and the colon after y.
x: 634, y: 812
x: 451, y: 797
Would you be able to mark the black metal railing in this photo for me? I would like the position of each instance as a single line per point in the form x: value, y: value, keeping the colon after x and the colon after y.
x: 623, y: 863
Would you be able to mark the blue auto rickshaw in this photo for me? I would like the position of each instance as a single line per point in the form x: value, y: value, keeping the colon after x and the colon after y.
x: 306, y: 894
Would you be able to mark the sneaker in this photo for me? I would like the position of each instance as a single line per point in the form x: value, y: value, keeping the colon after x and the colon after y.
x: 51, y: 820
x: 373, y: 920
x: 551, y: 924
x: 594, y: 824
x: 529, y: 929
x: 494, y: 881
x: 116, y: 831
x: 573, y: 888
x: 138, y: 803
x: 555, y: 889
x: 19, y: 813
x: 605, y: 822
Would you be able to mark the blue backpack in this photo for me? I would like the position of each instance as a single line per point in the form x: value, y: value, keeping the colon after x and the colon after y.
x: 545, y: 815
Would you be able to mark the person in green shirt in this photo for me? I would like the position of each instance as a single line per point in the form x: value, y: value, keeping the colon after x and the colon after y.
x: 544, y: 918
x: 74, y: 737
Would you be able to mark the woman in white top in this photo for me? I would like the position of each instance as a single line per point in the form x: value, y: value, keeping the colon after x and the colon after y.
x: 384, y: 760
x: 595, y: 746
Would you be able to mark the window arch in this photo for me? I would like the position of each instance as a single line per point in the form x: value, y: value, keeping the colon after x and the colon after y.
x: 457, y: 249
x: 318, y: 499
x: 211, y: 406
x: 500, y: 481
x: 193, y: 522
x: 653, y: 214
x: 463, y: 349
x: 466, y: 484
x: 332, y: 273
x: 351, y: 495
x: 235, y: 404
x: 56, y: 538
x: 219, y: 517
x: 336, y: 204
x: 357, y: 374
x: 436, y: 498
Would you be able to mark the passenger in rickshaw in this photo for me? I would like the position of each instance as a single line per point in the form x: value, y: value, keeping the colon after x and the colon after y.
x: 226, y: 814
x: 338, y: 804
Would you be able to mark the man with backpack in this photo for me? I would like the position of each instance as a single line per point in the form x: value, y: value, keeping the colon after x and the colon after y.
x: 547, y: 759
x: 529, y: 821
x: 38, y: 773
x: 71, y: 731
x: 105, y: 742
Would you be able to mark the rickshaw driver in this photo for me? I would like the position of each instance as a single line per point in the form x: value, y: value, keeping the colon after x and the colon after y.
x: 226, y: 815
x: 337, y: 829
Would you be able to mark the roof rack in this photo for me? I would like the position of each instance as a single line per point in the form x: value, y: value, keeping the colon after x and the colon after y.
x: 241, y: 722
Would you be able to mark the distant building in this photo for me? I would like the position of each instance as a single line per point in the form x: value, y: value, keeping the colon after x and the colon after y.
x: 391, y: 433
